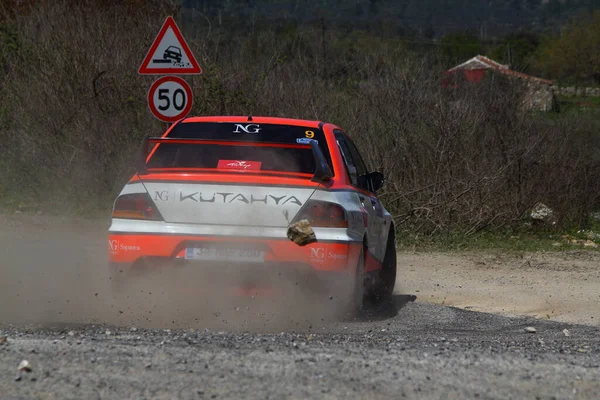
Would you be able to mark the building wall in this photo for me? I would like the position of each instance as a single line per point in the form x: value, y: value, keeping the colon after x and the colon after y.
x: 577, y: 91
x: 540, y: 97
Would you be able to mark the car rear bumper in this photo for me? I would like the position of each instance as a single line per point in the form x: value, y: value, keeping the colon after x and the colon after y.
x: 133, y: 243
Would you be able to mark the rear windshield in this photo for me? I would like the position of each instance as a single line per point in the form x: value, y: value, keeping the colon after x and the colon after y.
x: 245, y: 146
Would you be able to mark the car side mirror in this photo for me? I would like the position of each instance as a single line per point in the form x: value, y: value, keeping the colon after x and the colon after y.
x: 376, y: 180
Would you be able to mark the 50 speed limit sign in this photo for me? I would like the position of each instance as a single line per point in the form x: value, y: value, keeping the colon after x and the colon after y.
x: 170, y: 98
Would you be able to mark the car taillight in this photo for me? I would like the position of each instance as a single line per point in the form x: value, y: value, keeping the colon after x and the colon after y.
x: 324, y: 214
x: 136, y: 206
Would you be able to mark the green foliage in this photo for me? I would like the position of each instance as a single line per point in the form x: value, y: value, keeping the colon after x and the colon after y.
x: 576, y: 105
x: 9, y: 43
x: 573, y: 58
x: 426, y: 18
x: 533, y: 241
x: 459, y: 47
x: 518, y: 238
x: 516, y: 50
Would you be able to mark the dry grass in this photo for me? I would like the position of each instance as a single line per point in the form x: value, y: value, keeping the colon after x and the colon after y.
x: 73, y: 110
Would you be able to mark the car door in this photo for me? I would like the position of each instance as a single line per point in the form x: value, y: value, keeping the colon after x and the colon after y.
x: 379, y: 223
x: 358, y: 172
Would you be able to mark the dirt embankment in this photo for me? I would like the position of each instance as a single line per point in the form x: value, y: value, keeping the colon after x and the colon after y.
x: 561, y: 286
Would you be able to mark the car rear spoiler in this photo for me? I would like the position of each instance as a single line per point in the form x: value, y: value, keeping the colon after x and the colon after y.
x: 322, y: 171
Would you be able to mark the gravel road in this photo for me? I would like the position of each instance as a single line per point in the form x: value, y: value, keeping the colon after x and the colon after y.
x: 414, y: 350
x: 426, y: 351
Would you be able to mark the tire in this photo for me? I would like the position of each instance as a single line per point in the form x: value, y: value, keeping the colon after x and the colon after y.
x: 383, y: 290
x: 357, y: 289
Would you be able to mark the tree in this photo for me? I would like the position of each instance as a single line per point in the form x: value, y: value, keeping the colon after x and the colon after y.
x: 459, y: 47
x: 516, y: 50
x: 373, y: 9
x: 554, y: 7
x: 573, y: 57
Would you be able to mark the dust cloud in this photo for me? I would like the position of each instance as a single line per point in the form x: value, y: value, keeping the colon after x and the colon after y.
x: 55, y: 270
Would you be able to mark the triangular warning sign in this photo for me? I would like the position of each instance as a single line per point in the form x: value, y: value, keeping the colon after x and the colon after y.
x: 169, y: 54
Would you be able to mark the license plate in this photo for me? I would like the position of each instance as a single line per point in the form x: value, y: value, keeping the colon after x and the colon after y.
x: 220, y: 254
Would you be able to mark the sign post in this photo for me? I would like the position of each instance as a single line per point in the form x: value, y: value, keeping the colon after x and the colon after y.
x: 170, y: 98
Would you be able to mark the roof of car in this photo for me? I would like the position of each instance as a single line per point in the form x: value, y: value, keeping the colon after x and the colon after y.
x: 259, y: 120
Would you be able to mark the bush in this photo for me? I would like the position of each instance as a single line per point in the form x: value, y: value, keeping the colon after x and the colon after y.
x: 456, y: 160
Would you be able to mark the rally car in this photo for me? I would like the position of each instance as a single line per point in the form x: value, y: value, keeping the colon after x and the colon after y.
x: 221, y: 193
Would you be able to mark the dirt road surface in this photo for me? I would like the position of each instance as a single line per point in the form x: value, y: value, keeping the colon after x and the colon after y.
x: 84, y: 342
x: 562, y: 286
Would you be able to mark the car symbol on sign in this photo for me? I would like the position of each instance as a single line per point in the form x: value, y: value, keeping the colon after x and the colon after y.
x: 172, y: 54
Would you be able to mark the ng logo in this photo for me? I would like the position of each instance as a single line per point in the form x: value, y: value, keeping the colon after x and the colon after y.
x: 250, y: 128
x: 318, y: 253
x: 113, y: 246
x: 162, y: 195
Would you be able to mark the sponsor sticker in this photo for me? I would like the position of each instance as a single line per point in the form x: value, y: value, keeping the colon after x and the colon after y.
x: 305, y: 140
x: 318, y: 255
x: 239, y: 165
x: 114, y: 247
x: 249, y: 128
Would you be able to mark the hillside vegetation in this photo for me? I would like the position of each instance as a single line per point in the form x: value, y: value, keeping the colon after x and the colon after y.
x: 74, y: 110
x: 428, y: 18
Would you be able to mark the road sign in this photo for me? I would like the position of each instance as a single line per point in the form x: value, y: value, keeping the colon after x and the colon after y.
x: 170, y: 98
x: 169, y: 54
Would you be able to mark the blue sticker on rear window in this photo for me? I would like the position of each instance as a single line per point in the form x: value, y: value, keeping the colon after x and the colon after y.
x: 305, y: 140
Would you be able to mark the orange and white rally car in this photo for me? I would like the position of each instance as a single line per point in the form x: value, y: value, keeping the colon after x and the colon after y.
x: 221, y: 192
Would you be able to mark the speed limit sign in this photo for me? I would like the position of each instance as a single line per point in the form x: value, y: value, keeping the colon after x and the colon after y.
x: 170, y: 98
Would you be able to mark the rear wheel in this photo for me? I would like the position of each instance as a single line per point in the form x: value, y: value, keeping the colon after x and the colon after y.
x: 382, y: 292
x: 357, y: 291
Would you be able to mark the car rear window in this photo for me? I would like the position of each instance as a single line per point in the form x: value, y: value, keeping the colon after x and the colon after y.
x: 245, y: 146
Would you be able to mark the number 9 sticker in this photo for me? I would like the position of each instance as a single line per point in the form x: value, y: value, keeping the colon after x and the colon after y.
x: 310, y: 134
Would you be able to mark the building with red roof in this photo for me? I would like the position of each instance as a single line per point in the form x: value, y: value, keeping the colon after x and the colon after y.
x: 539, y: 94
